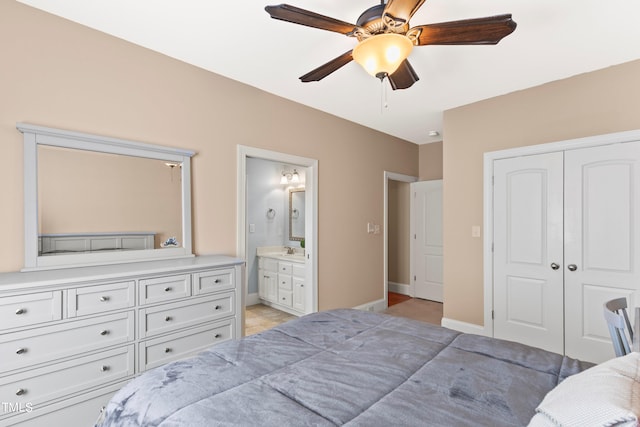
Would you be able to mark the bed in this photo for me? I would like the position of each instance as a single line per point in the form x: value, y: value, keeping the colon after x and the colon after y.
x: 353, y: 368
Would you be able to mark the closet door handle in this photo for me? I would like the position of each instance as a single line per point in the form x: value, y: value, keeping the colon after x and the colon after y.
x: 572, y: 267
x: 554, y: 266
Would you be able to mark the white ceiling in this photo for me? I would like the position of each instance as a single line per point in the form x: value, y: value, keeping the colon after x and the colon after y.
x: 237, y: 39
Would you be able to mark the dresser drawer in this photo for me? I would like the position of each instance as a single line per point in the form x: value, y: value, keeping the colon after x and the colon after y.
x: 158, y: 351
x: 78, y: 411
x: 170, y: 317
x: 45, y: 344
x: 285, y: 268
x: 100, y: 298
x: 37, y: 386
x: 284, y: 282
x: 168, y: 288
x: 213, y: 281
x: 30, y: 309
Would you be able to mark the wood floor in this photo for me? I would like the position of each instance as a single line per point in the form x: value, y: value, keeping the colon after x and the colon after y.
x: 260, y: 317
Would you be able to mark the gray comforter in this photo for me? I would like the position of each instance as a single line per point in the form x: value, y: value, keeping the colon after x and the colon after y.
x: 346, y: 367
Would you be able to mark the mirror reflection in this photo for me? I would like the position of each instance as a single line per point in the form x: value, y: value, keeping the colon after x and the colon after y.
x: 92, y: 201
x: 296, y: 214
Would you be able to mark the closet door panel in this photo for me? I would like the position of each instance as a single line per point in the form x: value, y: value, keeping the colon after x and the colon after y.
x: 528, y: 232
x: 602, y: 237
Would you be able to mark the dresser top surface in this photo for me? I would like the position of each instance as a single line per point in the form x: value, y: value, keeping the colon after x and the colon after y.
x: 23, y: 280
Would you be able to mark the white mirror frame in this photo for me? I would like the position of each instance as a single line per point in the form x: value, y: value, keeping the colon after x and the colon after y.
x: 38, y: 135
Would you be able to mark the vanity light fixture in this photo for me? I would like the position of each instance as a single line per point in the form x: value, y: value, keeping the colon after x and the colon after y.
x: 289, y: 177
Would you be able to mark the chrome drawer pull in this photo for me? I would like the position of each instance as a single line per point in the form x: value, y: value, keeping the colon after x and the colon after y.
x: 21, y: 350
x: 217, y: 336
x: 21, y: 311
x: 104, y: 368
x: 167, y: 350
x: 20, y: 392
x: 217, y: 307
x: 167, y: 289
x: 104, y: 299
x: 216, y: 281
x: 104, y: 332
x: 167, y: 319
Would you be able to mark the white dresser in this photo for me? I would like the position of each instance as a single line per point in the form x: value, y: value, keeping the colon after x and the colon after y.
x: 70, y: 338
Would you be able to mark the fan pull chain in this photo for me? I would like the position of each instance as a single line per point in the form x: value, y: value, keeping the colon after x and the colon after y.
x: 383, y: 97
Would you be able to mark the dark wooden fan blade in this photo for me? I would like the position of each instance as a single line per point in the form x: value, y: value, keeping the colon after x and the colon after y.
x: 404, y: 77
x: 324, y: 70
x: 293, y: 14
x: 402, y: 9
x: 488, y: 30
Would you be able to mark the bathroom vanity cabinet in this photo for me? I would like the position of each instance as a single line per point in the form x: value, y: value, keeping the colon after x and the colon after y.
x: 281, y: 282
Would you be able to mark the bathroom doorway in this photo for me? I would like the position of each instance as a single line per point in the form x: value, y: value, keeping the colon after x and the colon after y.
x: 264, y: 216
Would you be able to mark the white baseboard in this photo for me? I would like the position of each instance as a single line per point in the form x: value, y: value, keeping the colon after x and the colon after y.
x: 252, y: 299
x: 467, y: 328
x: 377, y: 306
x: 400, y: 288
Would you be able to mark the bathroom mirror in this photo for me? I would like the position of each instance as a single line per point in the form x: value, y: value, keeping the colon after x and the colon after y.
x: 93, y: 200
x: 296, y: 214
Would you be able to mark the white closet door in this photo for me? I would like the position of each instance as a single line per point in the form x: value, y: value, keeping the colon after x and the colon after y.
x: 528, y: 254
x: 602, y: 242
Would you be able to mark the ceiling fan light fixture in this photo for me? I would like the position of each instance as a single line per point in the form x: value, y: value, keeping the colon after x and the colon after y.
x: 382, y: 54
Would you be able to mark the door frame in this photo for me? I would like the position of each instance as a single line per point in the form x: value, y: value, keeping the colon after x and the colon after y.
x: 392, y: 176
x: 311, y: 212
x: 489, y: 157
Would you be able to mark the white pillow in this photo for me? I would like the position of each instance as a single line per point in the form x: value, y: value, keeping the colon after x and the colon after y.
x: 604, y: 395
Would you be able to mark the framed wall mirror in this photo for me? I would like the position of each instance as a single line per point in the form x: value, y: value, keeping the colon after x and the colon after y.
x: 296, y: 214
x: 92, y: 200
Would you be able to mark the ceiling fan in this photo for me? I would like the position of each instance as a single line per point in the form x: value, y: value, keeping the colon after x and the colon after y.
x: 385, y: 38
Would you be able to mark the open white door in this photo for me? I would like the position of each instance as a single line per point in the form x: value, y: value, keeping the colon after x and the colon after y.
x: 426, y: 213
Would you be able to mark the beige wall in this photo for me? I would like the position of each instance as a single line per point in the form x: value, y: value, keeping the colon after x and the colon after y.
x: 430, y: 161
x: 600, y: 102
x: 59, y: 74
x: 398, y: 233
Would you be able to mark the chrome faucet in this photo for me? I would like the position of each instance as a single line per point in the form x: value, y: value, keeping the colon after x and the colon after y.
x: 290, y: 250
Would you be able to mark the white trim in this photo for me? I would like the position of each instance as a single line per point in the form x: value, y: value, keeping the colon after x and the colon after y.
x: 467, y: 328
x: 489, y: 158
x: 376, y: 306
x: 103, y: 144
x: 252, y: 299
x: 385, y: 269
x: 311, y: 212
x: 400, y: 288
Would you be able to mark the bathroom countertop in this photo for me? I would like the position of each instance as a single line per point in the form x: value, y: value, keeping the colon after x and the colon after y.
x: 280, y: 253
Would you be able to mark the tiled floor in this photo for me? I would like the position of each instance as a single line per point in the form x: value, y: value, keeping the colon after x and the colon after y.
x: 261, y: 317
